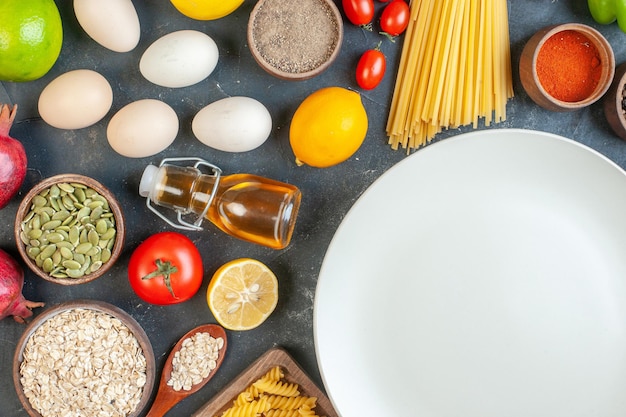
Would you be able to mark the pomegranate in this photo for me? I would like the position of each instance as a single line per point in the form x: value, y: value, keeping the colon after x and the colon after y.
x: 12, y: 157
x: 12, y: 302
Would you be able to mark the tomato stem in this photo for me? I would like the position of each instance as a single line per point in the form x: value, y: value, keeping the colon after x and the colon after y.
x: 389, y: 36
x: 164, y: 269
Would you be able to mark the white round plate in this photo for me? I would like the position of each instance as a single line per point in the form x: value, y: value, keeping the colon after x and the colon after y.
x: 483, y: 276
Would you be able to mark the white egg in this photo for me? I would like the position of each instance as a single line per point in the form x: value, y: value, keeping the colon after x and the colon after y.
x: 142, y: 128
x: 75, y: 99
x: 179, y: 59
x: 114, y: 24
x: 233, y: 124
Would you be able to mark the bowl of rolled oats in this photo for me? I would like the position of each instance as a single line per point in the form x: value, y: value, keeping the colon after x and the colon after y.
x: 69, y: 229
x: 86, y: 358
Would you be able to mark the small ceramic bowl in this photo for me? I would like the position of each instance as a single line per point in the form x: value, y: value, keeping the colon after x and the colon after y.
x: 54, y: 228
x: 295, y: 43
x: 531, y: 80
x: 102, y: 310
x: 614, y: 102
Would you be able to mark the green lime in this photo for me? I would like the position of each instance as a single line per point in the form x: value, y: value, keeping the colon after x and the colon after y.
x: 31, y: 35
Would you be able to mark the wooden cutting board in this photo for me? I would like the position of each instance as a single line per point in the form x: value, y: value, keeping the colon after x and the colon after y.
x: 293, y: 374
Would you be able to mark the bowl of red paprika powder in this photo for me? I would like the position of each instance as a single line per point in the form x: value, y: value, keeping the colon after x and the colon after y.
x: 567, y: 67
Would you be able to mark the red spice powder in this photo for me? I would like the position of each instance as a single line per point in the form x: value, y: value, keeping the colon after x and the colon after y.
x: 569, y: 66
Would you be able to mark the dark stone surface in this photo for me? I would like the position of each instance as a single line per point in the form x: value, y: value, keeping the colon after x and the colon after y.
x: 328, y: 193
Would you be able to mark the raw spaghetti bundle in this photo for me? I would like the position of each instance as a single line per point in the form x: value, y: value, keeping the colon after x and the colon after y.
x: 455, y: 68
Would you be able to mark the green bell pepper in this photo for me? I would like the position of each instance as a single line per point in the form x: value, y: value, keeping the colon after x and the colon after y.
x: 608, y: 11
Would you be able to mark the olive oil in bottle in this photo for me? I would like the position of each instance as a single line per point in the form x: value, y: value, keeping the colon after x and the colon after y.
x: 250, y: 207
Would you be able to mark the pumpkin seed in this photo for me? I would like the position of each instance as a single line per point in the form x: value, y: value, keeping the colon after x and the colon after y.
x: 83, y: 212
x: 50, y: 225
x: 47, y: 251
x: 32, y: 252
x: 35, y: 222
x: 86, y: 265
x: 71, y: 264
x: 68, y: 220
x: 66, y: 253
x: 109, y: 234
x: 28, y: 217
x: 101, y: 226
x: 55, y: 237
x: 66, y: 187
x: 54, y: 190
x: 65, y: 244
x: 35, y: 233
x: 74, y: 235
x: 47, y: 209
x: 44, y: 217
x: 95, y: 266
x: 56, y: 257
x: 68, y: 203
x: 93, y: 237
x: 83, y: 236
x: 54, y: 203
x: 96, y: 213
x: 39, y: 201
x: 80, y: 194
x: 105, y: 255
x: 83, y: 247
x: 93, y: 251
x: 74, y: 273
x: 64, y: 230
x: 60, y: 215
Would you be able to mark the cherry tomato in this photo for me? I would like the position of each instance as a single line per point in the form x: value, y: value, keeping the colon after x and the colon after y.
x: 359, y: 12
x: 395, y: 17
x: 166, y: 269
x: 371, y: 68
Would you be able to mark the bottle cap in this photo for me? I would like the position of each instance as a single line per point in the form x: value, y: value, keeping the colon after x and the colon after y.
x: 147, y: 180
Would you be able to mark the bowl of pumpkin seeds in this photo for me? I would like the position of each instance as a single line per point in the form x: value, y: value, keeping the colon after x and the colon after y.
x: 69, y: 229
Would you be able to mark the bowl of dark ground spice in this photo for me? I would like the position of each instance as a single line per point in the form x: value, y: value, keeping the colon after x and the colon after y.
x: 295, y: 41
x: 567, y: 67
x: 615, y: 102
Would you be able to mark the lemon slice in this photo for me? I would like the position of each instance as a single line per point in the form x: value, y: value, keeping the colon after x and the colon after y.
x: 242, y: 294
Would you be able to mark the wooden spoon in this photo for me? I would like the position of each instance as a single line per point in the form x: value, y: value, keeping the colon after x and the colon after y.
x: 167, y: 397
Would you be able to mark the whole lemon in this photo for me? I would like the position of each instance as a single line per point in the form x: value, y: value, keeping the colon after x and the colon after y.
x: 206, y: 9
x: 31, y: 36
x: 328, y: 127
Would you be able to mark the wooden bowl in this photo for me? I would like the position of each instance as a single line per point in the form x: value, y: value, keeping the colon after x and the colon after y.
x: 528, y: 67
x: 613, y: 107
x: 292, y: 50
x: 100, y: 307
x: 25, y: 208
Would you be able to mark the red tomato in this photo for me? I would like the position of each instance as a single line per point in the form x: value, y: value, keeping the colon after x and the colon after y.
x: 371, y: 69
x: 166, y: 269
x: 395, y: 17
x: 359, y: 12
